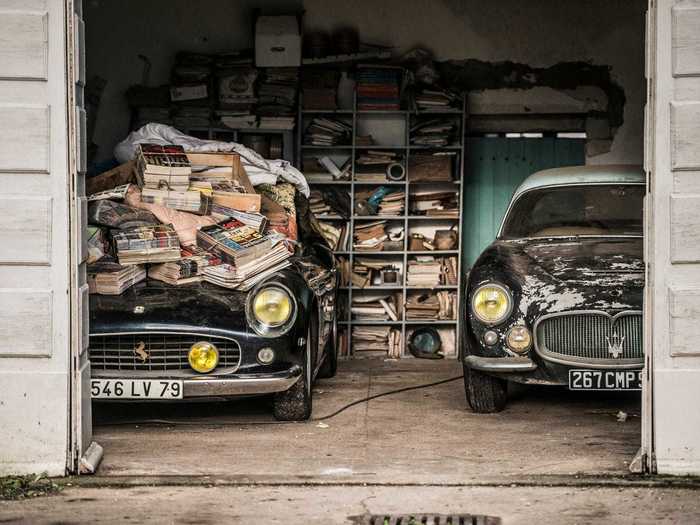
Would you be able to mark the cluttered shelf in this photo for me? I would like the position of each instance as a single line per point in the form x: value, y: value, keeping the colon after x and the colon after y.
x: 398, y: 248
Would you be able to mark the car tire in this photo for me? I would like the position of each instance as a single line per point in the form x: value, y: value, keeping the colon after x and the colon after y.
x: 330, y: 361
x: 485, y: 394
x: 296, y: 403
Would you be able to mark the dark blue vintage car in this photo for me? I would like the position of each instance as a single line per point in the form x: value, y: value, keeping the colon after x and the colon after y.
x: 556, y: 299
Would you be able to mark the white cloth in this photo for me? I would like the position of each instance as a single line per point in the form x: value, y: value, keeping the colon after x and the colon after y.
x: 259, y: 170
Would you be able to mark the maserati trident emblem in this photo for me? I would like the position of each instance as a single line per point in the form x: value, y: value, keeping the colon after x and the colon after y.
x: 140, y: 351
x: 615, y: 346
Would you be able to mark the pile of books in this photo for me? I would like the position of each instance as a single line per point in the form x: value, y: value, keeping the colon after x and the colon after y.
x: 378, y: 87
x: 245, y: 276
x: 435, y: 204
x: 277, y: 94
x: 327, y: 132
x: 434, y: 99
x: 188, y: 269
x: 147, y: 244
x: 424, y: 272
x: 192, y: 117
x: 192, y: 201
x: 441, y: 305
x: 432, y: 133
x: 116, y: 281
x: 392, y: 204
x: 377, y: 340
x: 234, y: 242
x: 163, y: 167
x: 369, y: 236
x: 368, y: 272
x: 318, y: 205
x: 372, y: 166
x: 376, y: 307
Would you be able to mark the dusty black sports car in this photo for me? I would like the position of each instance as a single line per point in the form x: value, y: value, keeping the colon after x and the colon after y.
x: 557, y: 298
x: 161, y: 342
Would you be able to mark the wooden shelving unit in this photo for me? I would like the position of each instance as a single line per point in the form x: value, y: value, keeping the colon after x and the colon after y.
x: 390, y: 122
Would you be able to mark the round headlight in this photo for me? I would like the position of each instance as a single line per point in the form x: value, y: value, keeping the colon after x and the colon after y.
x: 271, y: 310
x: 203, y: 357
x: 492, y: 303
x: 519, y: 339
x: 272, y: 306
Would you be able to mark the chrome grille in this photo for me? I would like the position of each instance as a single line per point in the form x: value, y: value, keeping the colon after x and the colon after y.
x: 591, y: 337
x: 167, y: 352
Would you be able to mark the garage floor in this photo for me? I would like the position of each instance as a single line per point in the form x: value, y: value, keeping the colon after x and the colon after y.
x: 421, y: 436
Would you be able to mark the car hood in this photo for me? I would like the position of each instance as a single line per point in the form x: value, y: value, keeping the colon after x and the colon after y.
x: 154, y: 305
x: 554, y: 275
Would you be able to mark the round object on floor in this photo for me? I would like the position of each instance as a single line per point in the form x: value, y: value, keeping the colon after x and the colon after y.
x: 425, y: 343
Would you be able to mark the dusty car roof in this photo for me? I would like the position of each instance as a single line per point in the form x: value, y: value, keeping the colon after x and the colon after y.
x: 582, y: 175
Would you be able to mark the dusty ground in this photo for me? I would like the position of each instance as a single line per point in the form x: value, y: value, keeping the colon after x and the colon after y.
x: 340, y: 505
x: 421, y: 436
x: 551, y: 457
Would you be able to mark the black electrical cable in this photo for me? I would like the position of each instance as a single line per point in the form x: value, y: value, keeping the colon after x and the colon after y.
x: 191, y: 422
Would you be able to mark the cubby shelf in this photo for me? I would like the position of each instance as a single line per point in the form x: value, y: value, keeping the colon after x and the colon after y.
x: 397, y: 140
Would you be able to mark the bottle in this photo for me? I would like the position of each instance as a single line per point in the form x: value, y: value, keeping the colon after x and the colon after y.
x: 346, y: 91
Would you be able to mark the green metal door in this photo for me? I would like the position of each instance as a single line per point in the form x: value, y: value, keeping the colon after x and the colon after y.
x: 494, y: 168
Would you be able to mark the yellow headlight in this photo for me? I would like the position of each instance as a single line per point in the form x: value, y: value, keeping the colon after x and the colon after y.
x: 272, y: 307
x: 203, y: 357
x: 519, y: 339
x: 491, y: 304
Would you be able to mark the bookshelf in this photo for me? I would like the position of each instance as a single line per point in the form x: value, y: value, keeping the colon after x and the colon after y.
x: 391, y: 131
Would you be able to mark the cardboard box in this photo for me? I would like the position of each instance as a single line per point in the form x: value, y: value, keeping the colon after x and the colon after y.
x: 277, y: 42
x: 249, y: 201
x: 122, y: 174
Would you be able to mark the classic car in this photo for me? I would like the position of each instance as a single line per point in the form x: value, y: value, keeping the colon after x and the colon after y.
x: 161, y: 342
x: 556, y: 299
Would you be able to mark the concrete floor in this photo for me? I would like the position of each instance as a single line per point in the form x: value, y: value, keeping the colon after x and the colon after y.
x: 345, y: 505
x: 552, y: 457
x: 421, y: 436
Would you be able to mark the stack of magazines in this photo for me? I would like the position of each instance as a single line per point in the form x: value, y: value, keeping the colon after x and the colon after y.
x: 163, y: 167
x: 327, y: 132
x: 246, y: 276
x: 191, y: 201
x: 115, y: 282
x: 188, y: 269
x: 234, y: 242
x: 148, y: 244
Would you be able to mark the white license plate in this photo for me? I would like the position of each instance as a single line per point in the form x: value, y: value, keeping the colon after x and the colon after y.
x: 136, y: 389
x: 605, y: 379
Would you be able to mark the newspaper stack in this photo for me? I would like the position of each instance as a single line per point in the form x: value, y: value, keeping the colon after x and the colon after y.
x: 434, y: 99
x: 375, y: 308
x: 435, y: 204
x: 148, y: 244
x: 327, y: 132
x: 163, y: 167
x: 191, y: 201
x: 440, y: 305
x: 424, y: 272
x: 116, y: 282
x: 234, y: 242
x: 188, y: 269
x: 245, y: 276
x: 379, y: 340
x: 117, y: 193
x: 433, y: 133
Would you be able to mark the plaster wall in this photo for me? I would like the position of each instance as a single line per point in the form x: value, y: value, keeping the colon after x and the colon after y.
x: 541, y: 33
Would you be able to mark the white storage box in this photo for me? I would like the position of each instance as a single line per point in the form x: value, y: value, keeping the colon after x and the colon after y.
x: 277, y: 42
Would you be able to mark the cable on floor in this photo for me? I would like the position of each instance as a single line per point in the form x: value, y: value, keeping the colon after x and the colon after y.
x: 190, y: 422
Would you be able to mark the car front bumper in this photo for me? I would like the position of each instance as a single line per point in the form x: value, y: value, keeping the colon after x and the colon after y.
x: 500, y: 364
x: 231, y: 385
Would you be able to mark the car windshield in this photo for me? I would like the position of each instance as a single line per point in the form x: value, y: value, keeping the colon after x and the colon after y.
x: 607, y: 209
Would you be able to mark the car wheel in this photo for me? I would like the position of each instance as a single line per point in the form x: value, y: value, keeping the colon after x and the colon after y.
x: 485, y: 394
x: 296, y: 403
x: 330, y: 361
